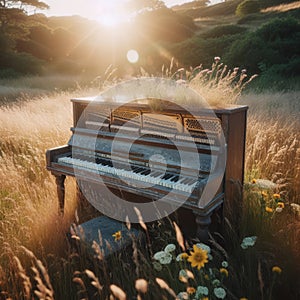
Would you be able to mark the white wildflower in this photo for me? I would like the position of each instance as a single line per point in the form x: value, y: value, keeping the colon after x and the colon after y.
x: 179, y: 257
x: 165, y: 260
x: 201, y: 291
x: 220, y: 293
x: 183, y: 296
x: 203, y: 247
x: 279, y: 209
x: 248, y: 242
x: 265, y: 184
x: 216, y: 282
x: 170, y: 248
x: 159, y: 255
x: 224, y: 264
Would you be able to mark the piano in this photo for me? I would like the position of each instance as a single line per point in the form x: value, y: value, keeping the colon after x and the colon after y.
x: 154, y: 155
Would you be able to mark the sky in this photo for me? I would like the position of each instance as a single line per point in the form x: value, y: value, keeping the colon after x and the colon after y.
x: 91, y: 9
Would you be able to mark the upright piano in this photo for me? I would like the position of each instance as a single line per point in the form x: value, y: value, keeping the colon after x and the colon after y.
x: 153, y: 152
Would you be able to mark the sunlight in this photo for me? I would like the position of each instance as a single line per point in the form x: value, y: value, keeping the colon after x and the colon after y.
x: 110, y: 20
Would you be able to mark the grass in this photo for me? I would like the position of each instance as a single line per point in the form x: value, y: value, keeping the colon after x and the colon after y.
x: 38, y: 261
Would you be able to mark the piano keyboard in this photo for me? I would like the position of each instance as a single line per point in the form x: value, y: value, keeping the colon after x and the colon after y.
x: 137, y: 173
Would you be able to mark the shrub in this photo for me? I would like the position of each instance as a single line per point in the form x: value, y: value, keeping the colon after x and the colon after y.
x: 247, y: 7
x: 219, y: 31
x: 274, y: 43
x: 22, y: 63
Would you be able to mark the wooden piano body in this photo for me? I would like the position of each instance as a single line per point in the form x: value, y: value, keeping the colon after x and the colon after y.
x: 158, y: 125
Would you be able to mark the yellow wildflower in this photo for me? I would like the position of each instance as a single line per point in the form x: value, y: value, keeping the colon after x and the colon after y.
x: 205, y: 298
x: 276, y: 196
x: 269, y: 209
x: 198, y: 258
x: 224, y: 271
x: 280, y: 204
x: 117, y: 235
x: 253, y: 181
x: 190, y: 290
x: 243, y: 298
x: 264, y: 194
x: 184, y: 255
x: 276, y: 269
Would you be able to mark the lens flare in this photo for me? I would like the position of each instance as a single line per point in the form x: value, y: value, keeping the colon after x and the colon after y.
x: 132, y: 56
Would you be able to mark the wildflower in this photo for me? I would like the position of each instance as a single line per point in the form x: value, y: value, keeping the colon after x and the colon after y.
x: 217, y: 59
x: 182, y: 256
x: 183, y: 276
x: 159, y: 255
x: 220, y: 293
x: 201, y: 291
x: 117, y: 235
x: 278, y: 209
x: 191, y: 290
x: 165, y: 260
x: 224, y: 264
x: 253, y: 181
x: 276, y: 196
x: 224, y: 271
x: 264, y: 194
x: 198, y: 258
x: 183, y: 296
x: 248, y: 242
x: 280, y: 204
x: 203, y: 247
x: 269, y: 209
x: 265, y: 184
x: 170, y: 248
x: 276, y: 269
x: 216, y: 282
x: 243, y: 298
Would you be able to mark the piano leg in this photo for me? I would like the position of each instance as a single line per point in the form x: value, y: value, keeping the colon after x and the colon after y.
x: 203, y: 222
x: 60, y: 184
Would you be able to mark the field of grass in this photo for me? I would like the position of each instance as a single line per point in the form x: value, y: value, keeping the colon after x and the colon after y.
x: 38, y: 262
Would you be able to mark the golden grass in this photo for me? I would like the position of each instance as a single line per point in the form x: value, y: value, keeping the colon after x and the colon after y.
x: 282, y: 7
x: 273, y: 144
x: 28, y: 200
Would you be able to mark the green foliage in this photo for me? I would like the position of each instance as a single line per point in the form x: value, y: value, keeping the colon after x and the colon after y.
x: 219, y: 31
x: 247, y: 7
x: 276, y: 42
x: 197, y: 48
x: 21, y: 63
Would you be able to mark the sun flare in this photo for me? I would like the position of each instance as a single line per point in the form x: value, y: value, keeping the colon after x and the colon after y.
x: 110, y: 20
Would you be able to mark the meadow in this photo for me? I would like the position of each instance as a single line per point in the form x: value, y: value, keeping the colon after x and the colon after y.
x: 259, y: 260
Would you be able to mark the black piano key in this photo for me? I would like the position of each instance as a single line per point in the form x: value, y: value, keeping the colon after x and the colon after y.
x: 146, y: 172
x: 174, y: 178
x: 167, y: 176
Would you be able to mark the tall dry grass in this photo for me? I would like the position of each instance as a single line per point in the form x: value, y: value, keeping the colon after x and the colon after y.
x: 273, y: 143
x: 28, y: 200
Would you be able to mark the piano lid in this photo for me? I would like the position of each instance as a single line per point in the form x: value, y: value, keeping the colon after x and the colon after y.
x: 157, y: 105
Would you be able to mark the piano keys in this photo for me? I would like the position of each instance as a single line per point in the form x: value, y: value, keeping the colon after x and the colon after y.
x: 167, y: 153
